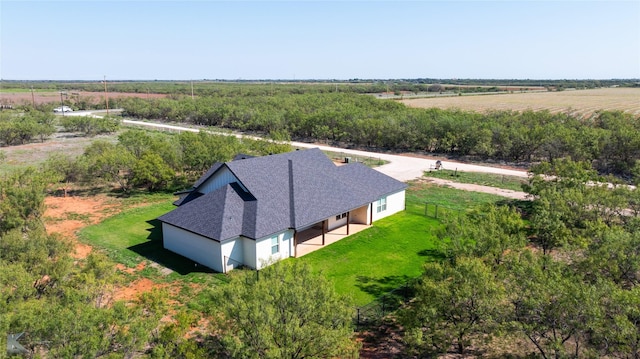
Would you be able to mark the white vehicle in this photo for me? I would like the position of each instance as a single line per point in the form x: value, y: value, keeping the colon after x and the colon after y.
x: 62, y: 109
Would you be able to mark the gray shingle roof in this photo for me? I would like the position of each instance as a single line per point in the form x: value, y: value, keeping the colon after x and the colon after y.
x: 218, y: 215
x: 289, y: 190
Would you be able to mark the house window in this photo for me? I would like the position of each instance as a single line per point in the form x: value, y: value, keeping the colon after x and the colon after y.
x: 275, y: 245
x: 341, y: 216
x: 381, y: 205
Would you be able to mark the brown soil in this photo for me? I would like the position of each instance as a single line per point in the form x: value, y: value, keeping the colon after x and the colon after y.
x: 121, y: 267
x: 67, y: 215
x: 384, y: 342
x: 135, y: 288
x: 18, y: 98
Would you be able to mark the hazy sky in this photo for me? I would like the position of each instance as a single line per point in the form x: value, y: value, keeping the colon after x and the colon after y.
x: 192, y: 40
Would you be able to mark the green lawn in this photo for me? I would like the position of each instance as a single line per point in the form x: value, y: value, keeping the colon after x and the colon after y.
x: 363, y: 266
x: 383, y: 257
x: 135, y: 235
x: 486, y: 179
x: 379, y: 259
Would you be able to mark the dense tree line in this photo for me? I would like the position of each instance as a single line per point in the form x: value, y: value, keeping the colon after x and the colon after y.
x: 565, y: 276
x: 264, y: 87
x: 153, y: 160
x: 90, y: 126
x: 608, y: 139
x: 20, y: 128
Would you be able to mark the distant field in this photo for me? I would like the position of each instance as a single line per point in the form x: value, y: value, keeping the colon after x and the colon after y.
x: 20, y: 96
x: 578, y: 102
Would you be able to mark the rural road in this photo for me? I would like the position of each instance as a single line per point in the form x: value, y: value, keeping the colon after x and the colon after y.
x: 402, y: 168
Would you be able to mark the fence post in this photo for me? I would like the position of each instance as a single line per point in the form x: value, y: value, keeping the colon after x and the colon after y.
x: 358, y: 316
x: 436, y: 211
x: 426, y: 209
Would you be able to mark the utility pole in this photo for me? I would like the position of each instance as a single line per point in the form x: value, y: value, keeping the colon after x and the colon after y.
x: 61, y: 103
x: 106, y: 97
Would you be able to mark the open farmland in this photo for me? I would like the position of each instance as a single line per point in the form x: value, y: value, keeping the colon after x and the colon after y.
x: 580, y: 103
x: 14, y: 97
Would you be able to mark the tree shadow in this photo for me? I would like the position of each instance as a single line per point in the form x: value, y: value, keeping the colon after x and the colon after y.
x: 432, y: 253
x: 154, y: 251
x: 380, y: 286
x: 524, y: 207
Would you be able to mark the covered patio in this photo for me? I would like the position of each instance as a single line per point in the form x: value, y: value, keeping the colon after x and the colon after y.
x: 311, y: 239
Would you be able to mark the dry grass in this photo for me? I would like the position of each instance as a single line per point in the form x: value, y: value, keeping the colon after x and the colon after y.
x: 580, y: 103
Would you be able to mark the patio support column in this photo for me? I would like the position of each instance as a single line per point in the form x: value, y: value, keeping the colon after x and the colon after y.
x: 295, y: 243
x: 323, y: 229
x: 371, y: 214
x: 348, y: 220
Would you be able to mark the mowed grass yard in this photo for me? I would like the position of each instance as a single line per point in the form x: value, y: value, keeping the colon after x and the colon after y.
x: 363, y: 266
x: 135, y: 235
x: 379, y: 259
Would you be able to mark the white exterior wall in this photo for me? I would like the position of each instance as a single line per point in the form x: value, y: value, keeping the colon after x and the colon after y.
x: 333, y: 223
x: 263, y: 248
x: 249, y: 252
x: 197, y: 248
x: 232, y: 254
x: 395, y: 204
x: 219, y: 179
x: 361, y: 215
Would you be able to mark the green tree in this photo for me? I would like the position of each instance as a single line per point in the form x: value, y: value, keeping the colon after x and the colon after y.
x: 617, y: 333
x: 489, y: 232
x: 21, y: 198
x: 111, y: 163
x: 454, y: 304
x: 289, y: 312
x: 548, y: 225
x: 553, y: 308
x: 151, y: 171
x: 613, y: 255
x: 64, y: 170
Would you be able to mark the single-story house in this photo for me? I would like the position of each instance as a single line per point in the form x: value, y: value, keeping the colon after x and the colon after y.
x: 251, y: 211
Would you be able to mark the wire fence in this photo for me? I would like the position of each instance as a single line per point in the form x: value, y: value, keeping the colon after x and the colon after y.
x: 372, y: 314
x: 438, y: 211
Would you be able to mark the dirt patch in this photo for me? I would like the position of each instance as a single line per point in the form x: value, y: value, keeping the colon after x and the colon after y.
x: 67, y: 215
x: 121, y: 267
x: 40, y: 97
x: 135, y: 288
x: 478, y: 188
x: 384, y: 342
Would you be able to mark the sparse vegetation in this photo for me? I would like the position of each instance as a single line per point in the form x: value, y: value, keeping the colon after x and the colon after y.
x: 486, y: 179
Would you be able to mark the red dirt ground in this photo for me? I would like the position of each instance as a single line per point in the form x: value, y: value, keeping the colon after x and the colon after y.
x: 135, y: 288
x: 67, y: 215
x: 18, y: 98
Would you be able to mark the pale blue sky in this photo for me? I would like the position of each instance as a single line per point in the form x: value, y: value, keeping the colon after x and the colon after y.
x: 192, y: 40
